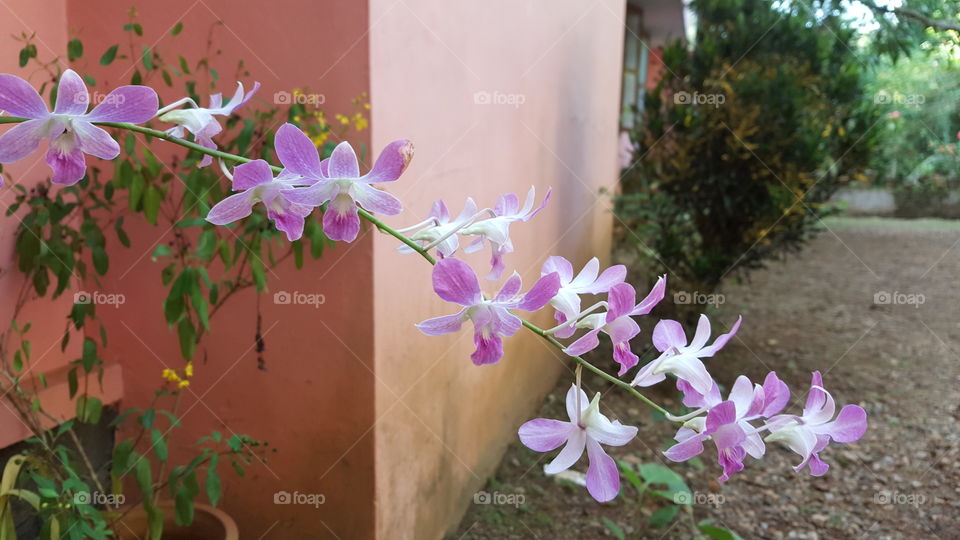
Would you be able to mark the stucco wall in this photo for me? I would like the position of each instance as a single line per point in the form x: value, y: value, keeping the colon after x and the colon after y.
x: 443, y: 423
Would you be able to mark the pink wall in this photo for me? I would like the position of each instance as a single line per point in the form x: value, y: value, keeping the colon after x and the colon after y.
x: 48, y: 19
x: 443, y: 423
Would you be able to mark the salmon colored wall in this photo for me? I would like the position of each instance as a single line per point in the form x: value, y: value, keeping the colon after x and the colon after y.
x: 315, y: 401
x: 443, y: 423
x: 48, y: 19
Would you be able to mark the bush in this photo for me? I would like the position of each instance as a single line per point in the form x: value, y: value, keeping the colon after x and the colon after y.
x: 744, y: 139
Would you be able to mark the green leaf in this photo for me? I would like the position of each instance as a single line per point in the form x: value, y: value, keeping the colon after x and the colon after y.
x: 658, y: 474
x: 159, y: 445
x: 614, y: 529
x: 177, y: 28
x: 89, y: 357
x: 160, y: 251
x: 213, y: 485
x: 151, y: 203
x: 718, y: 533
x: 135, y: 195
x: 207, y: 245
x: 101, y: 262
x: 108, y: 57
x: 89, y: 409
x: 191, y: 222
x: 121, y: 233
x: 663, y: 516
x: 72, y: 382
x: 188, y: 338
x: 26, y: 53
x: 147, y: 58
x: 74, y: 49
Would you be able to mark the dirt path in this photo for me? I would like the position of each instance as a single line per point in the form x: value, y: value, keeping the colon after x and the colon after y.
x: 822, y: 309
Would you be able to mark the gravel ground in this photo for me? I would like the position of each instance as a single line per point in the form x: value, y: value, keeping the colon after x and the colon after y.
x: 873, y: 304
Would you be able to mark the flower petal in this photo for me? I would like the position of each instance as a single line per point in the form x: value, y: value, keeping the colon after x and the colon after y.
x: 571, y: 403
x: 544, y: 434
x: 610, y: 433
x: 343, y: 162
x: 95, y: 141
x: 489, y: 348
x: 603, y: 477
x: 686, y: 449
x: 297, y: 152
x: 742, y: 395
x: 570, y: 453
x: 455, y: 281
x: 667, y: 334
x: 587, y: 275
x: 653, y: 298
x: 446, y: 324
x: 776, y: 394
x: 702, y: 334
x: 849, y: 426
x: 559, y: 265
x: 72, y: 96
x: 587, y: 342
x: 340, y: 219
x: 510, y: 288
x: 620, y: 300
x: 721, y: 415
x: 19, y: 98
x: 375, y: 200
x: 647, y: 376
x: 391, y: 163
x: 291, y: 223
x: 252, y: 174
x: 610, y: 277
x: 721, y: 340
x: 233, y: 208
x: 21, y: 141
x: 541, y: 293
x: 69, y: 166
x: 134, y: 104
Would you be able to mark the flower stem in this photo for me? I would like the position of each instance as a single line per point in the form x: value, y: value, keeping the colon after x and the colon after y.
x: 383, y: 227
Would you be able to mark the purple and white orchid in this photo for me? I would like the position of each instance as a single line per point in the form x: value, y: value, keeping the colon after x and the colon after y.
x: 200, y: 121
x: 337, y: 180
x: 617, y: 323
x: 810, y: 432
x: 681, y: 359
x: 567, y: 301
x: 497, y: 228
x: 728, y: 422
x: 441, y: 230
x: 587, y: 429
x: 455, y: 281
x: 69, y: 127
x: 256, y: 183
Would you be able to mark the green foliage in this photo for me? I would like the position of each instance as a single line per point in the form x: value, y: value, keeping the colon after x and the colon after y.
x: 744, y: 138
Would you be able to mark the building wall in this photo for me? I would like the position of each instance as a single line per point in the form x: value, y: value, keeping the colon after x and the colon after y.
x: 443, y: 423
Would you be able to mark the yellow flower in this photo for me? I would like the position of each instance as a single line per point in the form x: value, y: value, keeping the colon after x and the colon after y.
x: 189, y: 369
x: 183, y: 384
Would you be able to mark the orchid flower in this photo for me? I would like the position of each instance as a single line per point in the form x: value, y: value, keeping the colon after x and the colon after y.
x: 567, y: 300
x: 455, y: 281
x: 256, y: 183
x: 200, y: 121
x: 728, y: 422
x: 337, y: 180
x: 443, y: 230
x: 810, y: 433
x: 497, y: 229
x: 69, y: 127
x: 680, y: 359
x: 587, y: 429
x: 617, y: 323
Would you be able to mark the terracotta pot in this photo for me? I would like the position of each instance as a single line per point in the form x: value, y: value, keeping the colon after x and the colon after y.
x: 209, y: 523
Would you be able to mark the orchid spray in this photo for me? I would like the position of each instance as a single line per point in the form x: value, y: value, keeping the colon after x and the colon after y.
x: 302, y: 183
